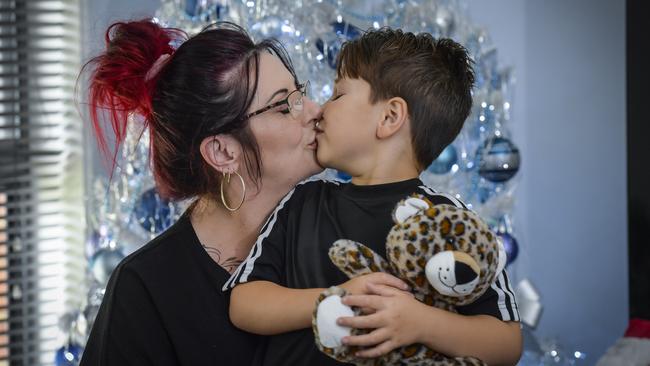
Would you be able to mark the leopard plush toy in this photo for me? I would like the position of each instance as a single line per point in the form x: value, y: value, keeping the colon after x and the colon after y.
x: 447, y: 255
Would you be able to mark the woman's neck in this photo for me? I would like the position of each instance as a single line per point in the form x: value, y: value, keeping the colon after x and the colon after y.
x: 229, y: 236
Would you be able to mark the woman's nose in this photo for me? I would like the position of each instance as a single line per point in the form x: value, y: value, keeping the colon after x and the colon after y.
x: 313, y: 111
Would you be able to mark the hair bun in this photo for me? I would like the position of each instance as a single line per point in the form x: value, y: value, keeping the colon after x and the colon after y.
x: 118, y: 81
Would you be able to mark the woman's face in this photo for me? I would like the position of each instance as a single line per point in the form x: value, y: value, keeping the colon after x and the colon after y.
x: 287, y: 143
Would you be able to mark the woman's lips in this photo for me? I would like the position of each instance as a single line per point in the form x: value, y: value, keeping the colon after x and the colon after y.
x: 313, y: 144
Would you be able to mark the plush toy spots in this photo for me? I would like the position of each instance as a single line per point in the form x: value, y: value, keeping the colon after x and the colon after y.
x: 448, y: 256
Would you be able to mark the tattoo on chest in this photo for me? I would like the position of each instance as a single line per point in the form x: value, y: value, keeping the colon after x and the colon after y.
x: 230, y: 264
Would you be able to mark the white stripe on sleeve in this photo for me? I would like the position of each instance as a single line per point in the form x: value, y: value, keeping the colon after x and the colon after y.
x: 501, y: 303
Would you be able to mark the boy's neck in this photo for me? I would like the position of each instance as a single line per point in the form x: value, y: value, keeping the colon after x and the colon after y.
x: 383, y: 176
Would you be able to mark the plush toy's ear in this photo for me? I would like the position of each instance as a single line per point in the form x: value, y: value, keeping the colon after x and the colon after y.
x: 356, y: 259
x: 410, y: 207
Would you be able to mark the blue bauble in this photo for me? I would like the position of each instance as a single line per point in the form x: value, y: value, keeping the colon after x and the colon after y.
x: 331, y: 45
x: 343, y: 176
x: 68, y: 355
x: 152, y: 212
x: 346, y: 30
x: 498, y: 159
x: 511, y: 247
x: 104, y: 262
x: 203, y: 10
x: 445, y: 161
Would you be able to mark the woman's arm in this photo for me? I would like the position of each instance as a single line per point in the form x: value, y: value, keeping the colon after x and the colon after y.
x: 266, y: 308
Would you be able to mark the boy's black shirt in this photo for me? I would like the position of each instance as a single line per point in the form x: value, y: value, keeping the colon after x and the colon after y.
x: 292, y: 251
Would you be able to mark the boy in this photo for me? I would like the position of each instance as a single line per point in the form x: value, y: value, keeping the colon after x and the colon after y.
x: 399, y: 99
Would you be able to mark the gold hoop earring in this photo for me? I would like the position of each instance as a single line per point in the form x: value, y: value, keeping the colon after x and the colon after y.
x: 223, y: 196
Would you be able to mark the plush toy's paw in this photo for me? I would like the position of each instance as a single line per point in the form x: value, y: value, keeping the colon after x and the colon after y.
x: 327, y: 333
x: 328, y: 310
x: 355, y: 259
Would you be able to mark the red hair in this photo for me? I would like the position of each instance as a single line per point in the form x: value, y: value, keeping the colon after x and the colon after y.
x: 118, y: 82
x: 204, y: 89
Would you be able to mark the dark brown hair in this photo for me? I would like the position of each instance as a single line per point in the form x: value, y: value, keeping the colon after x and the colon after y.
x: 433, y: 76
x: 205, y: 88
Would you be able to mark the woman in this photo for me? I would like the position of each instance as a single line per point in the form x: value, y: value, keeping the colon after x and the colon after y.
x: 230, y: 128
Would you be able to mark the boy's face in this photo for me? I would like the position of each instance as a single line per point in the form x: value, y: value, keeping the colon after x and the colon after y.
x: 347, y: 132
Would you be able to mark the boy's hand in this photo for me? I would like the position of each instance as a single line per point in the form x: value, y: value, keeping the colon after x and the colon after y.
x: 394, y: 316
x: 360, y: 285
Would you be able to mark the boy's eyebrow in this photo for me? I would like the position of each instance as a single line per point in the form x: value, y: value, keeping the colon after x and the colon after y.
x: 285, y: 90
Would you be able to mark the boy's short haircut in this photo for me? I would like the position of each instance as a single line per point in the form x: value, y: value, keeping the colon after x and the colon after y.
x: 433, y: 76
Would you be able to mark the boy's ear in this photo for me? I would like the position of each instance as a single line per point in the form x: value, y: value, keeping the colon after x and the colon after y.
x: 222, y: 152
x: 395, y: 116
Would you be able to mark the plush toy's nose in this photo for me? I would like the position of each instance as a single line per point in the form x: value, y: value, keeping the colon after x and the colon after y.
x: 464, y: 273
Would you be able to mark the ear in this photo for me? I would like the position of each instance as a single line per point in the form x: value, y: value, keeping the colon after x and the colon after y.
x: 395, y: 116
x: 222, y: 152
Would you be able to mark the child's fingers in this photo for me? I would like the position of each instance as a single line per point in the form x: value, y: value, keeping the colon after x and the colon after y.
x: 389, y: 280
x: 383, y: 290
x: 380, y: 350
x: 364, y: 301
x: 373, y: 338
x: 372, y: 321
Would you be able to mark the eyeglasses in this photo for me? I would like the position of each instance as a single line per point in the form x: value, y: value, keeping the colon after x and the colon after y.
x: 294, y: 102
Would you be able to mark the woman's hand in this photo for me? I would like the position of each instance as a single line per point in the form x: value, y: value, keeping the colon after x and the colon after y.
x: 393, y: 314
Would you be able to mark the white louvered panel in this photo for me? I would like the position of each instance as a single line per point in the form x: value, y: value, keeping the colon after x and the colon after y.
x: 4, y: 297
x: 40, y: 173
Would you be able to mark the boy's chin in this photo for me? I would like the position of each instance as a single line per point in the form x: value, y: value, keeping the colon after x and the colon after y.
x: 321, y: 158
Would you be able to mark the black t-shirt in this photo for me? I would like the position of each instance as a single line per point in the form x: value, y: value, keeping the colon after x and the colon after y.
x: 164, y: 306
x: 292, y: 251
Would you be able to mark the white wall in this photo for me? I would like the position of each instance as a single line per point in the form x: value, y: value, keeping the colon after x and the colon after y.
x: 569, y: 123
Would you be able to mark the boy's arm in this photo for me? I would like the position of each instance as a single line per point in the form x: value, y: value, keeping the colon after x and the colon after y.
x: 399, y: 319
x: 483, y: 336
x: 260, y: 302
x: 266, y: 308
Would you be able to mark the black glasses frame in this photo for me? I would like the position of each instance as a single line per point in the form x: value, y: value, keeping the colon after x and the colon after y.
x: 302, y: 89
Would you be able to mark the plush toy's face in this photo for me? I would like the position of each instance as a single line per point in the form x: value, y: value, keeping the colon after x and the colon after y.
x: 443, y: 252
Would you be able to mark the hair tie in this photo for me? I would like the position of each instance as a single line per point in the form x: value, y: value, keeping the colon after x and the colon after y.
x: 155, y: 68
